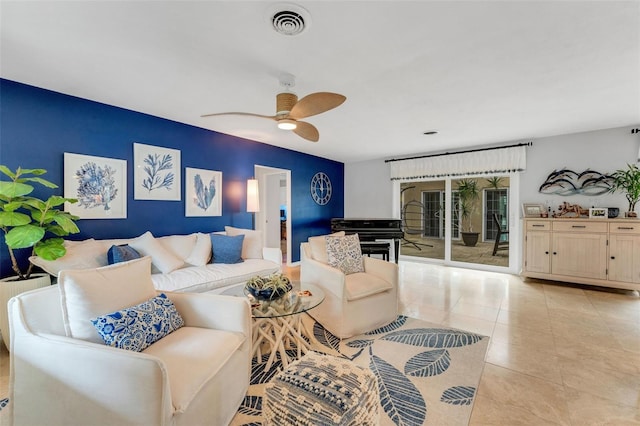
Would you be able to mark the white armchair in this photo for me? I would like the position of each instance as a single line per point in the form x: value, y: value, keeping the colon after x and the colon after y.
x: 354, y: 303
x: 196, y: 375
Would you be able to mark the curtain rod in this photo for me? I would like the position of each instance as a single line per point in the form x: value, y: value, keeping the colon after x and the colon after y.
x: 459, y: 152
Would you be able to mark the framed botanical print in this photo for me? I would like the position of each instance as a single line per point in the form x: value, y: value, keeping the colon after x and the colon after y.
x: 99, y: 184
x: 156, y: 173
x: 203, y: 192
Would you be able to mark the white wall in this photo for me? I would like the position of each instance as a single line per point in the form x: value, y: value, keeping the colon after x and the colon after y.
x: 369, y: 192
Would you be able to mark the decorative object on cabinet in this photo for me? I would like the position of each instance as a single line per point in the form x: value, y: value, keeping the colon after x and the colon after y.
x: 203, y: 192
x: 598, y: 213
x: 532, y: 210
x: 321, y: 188
x: 99, y: 184
x: 468, y: 196
x: 156, y: 173
x: 628, y: 181
x: 613, y: 212
x: 567, y: 182
x: 571, y: 210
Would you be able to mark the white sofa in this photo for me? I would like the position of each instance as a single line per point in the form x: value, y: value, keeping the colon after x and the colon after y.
x: 197, y: 374
x: 180, y: 262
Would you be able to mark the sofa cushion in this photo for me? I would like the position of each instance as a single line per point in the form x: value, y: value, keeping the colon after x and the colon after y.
x: 163, y: 260
x: 180, y: 246
x: 193, y: 356
x: 226, y: 249
x: 122, y: 253
x: 201, y: 252
x: 252, y: 244
x: 360, y: 285
x: 319, y: 246
x: 80, y: 255
x: 89, y: 293
x: 139, y: 326
x: 345, y: 253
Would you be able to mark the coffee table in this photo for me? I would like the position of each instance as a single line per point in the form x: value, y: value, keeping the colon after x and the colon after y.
x: 278, y: 325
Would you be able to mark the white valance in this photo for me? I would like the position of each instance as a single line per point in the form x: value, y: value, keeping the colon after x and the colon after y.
x: 481, y: 161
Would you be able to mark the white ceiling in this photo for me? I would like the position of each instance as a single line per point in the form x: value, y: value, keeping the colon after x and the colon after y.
x: 479, y: 72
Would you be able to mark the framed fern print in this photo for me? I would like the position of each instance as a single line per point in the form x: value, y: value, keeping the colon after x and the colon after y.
x: 99, y: 184
x: 203, y: 192
x: 156, y: 173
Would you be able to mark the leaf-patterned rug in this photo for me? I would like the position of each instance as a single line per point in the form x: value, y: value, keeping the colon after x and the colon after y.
x: 427, y: 374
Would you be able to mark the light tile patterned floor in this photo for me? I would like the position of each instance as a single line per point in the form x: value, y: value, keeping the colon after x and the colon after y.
x: 559, y: 354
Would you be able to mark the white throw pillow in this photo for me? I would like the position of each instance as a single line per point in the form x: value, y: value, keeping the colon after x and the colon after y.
x: 201, y: 251
x: 319, y: 246
x: 89, y: 293
x: 163, y: 260
x: 180, y: 246
x: 80, y: 255
x: 252, y: 244
x: 345, y: 253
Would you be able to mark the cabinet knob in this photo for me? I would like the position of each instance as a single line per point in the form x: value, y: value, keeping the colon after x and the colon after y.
x: 613, y: 257
x: 555, y: 252
x: 546, y: 252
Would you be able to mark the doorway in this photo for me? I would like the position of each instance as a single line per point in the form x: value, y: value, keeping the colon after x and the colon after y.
x: 274, y: 217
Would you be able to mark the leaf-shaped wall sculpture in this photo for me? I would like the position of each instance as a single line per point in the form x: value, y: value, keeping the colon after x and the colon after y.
x: 399, y: 398
x: 430, y: 363
x: 458, y: 395
x: 399, y: 322
x: 567, y: 182
x: 433, y: 337
x: 325, y: 337
x: 251, y: 405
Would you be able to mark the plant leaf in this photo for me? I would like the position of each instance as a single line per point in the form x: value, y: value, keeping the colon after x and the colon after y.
x: 65, y: 220
x: 50, y: 249
x: 41, y: 181
x: 12, y: 218
x: 426, y: 364
x: 15, y: 189
x: 433, y: 337
x: 458, y: 395
x: 399, y: 398
x: 24, y: 236
x: 4, y: 169
x: 399, y: 322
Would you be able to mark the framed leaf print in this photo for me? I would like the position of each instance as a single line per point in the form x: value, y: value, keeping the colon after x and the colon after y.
x: 99, y: 184
x: 156, y: 173
x: 203, y: 192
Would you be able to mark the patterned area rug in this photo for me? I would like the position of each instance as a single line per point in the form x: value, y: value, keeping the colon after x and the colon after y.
x: 427, y: 374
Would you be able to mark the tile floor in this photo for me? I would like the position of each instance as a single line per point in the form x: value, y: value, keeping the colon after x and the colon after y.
x: 559, y: 354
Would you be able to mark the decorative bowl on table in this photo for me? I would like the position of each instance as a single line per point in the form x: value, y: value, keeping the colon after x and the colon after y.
x: 269, y: 288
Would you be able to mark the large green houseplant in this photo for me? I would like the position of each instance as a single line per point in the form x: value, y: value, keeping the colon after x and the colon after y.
x: 26, y: 220
x: 628, y: 181
x: 468, y: 196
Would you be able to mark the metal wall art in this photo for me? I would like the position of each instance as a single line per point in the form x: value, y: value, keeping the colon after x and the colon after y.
x: 203, y: 189
x: 156, y: 173
x: 567, y: 182
x: 99, y: 184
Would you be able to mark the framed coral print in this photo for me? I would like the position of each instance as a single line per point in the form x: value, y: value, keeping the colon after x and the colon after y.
x: 203, y: 192
x: 156, y: 173
x: 99, y: 184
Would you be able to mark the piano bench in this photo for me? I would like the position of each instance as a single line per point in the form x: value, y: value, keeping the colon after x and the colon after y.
x: 370, y: 248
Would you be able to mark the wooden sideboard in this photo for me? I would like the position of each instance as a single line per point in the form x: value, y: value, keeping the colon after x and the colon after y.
x: 603, y: 252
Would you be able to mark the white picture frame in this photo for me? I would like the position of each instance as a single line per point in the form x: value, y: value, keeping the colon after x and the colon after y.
x: 99, y: 184
x: 598, y: 213
x: 532, y: 210
x: 156, y: 173
x: 203, y: 192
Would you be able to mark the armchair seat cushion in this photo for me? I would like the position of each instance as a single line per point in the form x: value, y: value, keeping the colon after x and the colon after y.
x: 361, y: 285
x: 193, y: 356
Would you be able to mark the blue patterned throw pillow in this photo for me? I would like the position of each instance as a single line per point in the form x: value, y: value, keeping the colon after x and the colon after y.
x: 226, y: 249
x: 345, y: 253
x: 122, y: 253
x: 137, y: 327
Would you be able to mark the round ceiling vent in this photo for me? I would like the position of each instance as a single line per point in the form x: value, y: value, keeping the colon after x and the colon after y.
x: 288, y: 19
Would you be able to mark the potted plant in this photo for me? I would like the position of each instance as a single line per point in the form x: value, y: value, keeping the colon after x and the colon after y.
x: 268, y: 288
x: 468, y: 196
x: 628, y: 181
x: 25, y: 222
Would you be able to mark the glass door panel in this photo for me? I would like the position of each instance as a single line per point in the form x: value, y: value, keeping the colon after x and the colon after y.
x: 422, y: 210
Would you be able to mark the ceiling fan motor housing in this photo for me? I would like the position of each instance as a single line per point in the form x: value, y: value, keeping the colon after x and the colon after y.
x: 284, y: 102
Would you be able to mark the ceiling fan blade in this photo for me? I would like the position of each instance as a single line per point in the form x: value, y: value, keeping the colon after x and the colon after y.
x: 316, y: 103
x: 307, y: 131
x: 272, y: 117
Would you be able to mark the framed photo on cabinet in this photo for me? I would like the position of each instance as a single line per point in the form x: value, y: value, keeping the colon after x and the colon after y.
x: 532, y: 210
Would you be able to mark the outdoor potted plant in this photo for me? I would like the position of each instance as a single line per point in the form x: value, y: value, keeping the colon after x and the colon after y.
x: 468, y: 196
x: 25, y: 222
x: 628, y: 181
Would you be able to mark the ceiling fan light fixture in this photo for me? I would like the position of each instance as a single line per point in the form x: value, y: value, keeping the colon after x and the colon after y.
x: 287, y: 124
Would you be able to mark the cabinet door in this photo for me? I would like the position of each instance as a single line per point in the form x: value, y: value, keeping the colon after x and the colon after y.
x: 580, y: 255
x: 537, y: 249
x: 624, y: 258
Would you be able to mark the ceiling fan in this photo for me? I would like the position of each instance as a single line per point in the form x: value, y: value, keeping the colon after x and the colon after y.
x: 289, y: 110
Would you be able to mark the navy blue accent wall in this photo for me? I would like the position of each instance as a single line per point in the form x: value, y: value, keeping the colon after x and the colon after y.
x: 37, y: 126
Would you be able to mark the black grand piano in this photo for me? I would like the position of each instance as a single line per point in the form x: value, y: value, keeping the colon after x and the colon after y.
x: 370, y: 230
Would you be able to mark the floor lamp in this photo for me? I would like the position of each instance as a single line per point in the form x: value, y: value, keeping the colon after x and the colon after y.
x: 253, y: 200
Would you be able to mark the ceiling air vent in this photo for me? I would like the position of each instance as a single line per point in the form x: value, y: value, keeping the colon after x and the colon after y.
x: 289, y: 19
